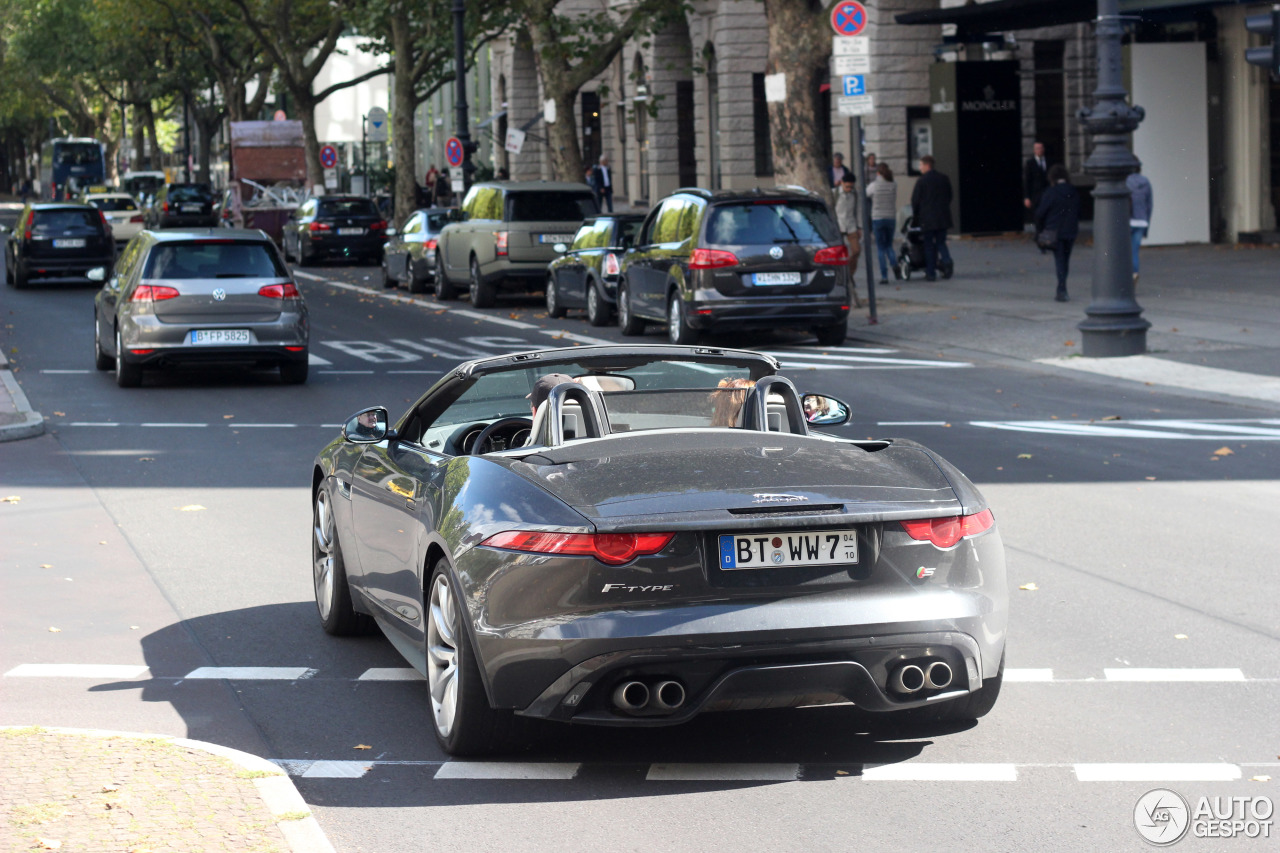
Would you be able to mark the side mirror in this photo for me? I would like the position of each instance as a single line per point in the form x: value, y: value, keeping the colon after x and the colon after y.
x: 391, y: 232
x: 96, y: 274
x: 366, y: 427
x: 821, y: 410
x: 560, y: 248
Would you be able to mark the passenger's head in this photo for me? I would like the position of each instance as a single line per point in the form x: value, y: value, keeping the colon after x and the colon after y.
x: 727, y: 401
x: 542, y: 388
x: 1058, y: 172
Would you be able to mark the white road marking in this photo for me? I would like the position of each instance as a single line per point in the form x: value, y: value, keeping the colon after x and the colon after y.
x: 1140, y: 674
x: 300, y: 274
x: 573, y: 336
x: 1157, y: 772
x: 1177, y: 429
x: 860, y: 359
x: 316, y: 361
x: 345, y: 372
x: 507, y: 770
x: 168, y: 425
x: 390, y: 674
x: 850, y: 350
x: 501, y: 321
x: 252, y: 673
x: 1157, y: 371
x: 337, y: 769
x: 1028, y: 674
x: 723, y: 772
x: 92, y: 424
x: 76, y: 670
x: 263, y: 426
x: 913, y: 423
x: 1219, y: 427
x: 926, y: 772
x: 76, y: 372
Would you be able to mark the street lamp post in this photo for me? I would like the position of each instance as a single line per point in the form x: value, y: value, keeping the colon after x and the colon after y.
x: 1113, y: 325
x: 460, y: 83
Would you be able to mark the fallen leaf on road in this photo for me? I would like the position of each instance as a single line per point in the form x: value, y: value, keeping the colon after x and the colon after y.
x: 362, y: 746
x: 61, y: 414
x: 11, y: 499
x: 133, y: 627
x: 146, y: 459
x: 999, y: 467
x: 227, y: 417
x: 1174, y: 329
x: 1259, y: 778
x: 103, y: 542
x: 49, y: 844
x: 1068, y: 343
x: 110, y: 789
x: 55, y: 630
x: 1112, y: 418
x: 1150, y: 478
x: 46, y: 565
x: 1029, y: 587
x: 190, y: 508
x: 1224, y: 451
x: 1179, y: 636
x: 514, y: 316
x: 1024, y: 455
x: 842, y: 772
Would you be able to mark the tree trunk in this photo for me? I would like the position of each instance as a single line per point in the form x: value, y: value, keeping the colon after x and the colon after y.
x: 207, y: 121
x: 139, y: 159
x: 404, y: 102
x: 800, y: 47
x: 562, y: 134
x: 306, y: 107
x: 154, y: 160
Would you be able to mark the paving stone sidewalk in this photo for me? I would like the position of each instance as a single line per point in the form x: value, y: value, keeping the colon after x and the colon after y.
x: 104, y: 792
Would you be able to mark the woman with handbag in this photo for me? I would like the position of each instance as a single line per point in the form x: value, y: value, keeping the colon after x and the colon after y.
x: 1058, y: 223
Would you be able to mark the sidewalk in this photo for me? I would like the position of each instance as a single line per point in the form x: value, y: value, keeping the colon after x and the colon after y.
x: 17, y: 420
x: 114, y: 792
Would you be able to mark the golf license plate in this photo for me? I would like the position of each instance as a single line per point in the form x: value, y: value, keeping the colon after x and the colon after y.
x: 69, y: 243
x: 350, y: 232
x: 783, y: 550
x: 556, y: 238
x: 221, y: 336
x: 775, y: 278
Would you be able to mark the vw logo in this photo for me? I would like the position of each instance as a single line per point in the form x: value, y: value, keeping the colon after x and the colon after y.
x: 219, y: 294
x: 776, y: 253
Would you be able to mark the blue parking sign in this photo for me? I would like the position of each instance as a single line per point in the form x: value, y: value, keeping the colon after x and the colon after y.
x: 855, y: 84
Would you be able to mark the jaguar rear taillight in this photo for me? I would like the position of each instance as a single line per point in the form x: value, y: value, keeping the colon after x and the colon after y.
x: 611, y: 266
x: 836, y: 256
x: 500, y: 242
x: 154, y: 293
x: 613, y: 549
x: 946, y: 532
x: 279, y: 291
x: 709, y: 259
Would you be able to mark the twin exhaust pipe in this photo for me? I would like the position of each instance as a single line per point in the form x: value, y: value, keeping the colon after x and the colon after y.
x: 911, y: 678
x: 636, y: 697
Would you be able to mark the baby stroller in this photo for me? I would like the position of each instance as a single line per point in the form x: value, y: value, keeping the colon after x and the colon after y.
x: 911, y: 253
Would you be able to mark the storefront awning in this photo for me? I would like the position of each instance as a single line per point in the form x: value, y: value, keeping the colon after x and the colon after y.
x: 1000, y: 16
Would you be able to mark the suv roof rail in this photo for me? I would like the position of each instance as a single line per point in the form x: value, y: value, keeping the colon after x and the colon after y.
x: 696, y: 190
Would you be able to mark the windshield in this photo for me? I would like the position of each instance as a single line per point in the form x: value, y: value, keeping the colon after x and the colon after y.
x: 78, y: 153
x: 754, y: 222
x: 191, y: 192
x: 550, y: 206
x: 113, y: 204
x: 213, y: 259
x: 347, y: 207
x: 46, y: 222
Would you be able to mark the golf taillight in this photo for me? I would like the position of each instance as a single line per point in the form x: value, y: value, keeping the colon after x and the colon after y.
x: 611, y: 266
x: 500, y: 242
x: 709, y: 259
x: 833, y: 255
x: 279, y: 291
x: 945, y: 532
x: 154, y: 293
x: 614, y: 549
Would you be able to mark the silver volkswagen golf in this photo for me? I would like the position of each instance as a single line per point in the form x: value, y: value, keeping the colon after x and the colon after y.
x: 182, y: 298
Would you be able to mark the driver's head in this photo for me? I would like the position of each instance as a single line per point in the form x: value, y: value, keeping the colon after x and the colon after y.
x: 542, y: 388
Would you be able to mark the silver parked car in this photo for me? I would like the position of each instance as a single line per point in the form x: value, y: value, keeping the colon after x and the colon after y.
x: 197, y: 297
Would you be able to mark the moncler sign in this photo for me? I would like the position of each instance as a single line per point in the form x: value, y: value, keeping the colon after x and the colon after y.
x: 989, y: 104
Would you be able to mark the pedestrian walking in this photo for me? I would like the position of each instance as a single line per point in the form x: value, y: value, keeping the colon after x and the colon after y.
x: 847, y: 219
x: 1140, y: 202
x: 931, y: 210
x: 1058, y: 224
x: 883, y: 193
x: 602, y: 184
x: 429, y: 182
x: 1035, y: 178
x: 839, y: 171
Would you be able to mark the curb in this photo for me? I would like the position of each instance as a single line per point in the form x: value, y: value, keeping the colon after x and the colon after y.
x: 32, y: 423
x: 277, y: 790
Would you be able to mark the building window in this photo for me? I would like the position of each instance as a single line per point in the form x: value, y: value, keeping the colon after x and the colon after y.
x: 760, y: 128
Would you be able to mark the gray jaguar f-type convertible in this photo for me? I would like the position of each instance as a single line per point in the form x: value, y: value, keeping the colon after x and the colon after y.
x: 665, y: 535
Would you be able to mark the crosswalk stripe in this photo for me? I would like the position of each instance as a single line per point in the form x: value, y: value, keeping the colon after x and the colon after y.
x: 76, y: 670
x: 507, y: 770
x: 926, y: 772
x: 1140, y: 674
x: 1157, y: 772
x: 723, y: 772
x: 390, y: 674
x: 337, y: 770
x: 252, y: 673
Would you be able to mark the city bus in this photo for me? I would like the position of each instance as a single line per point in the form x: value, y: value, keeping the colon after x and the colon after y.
x: 70, y: 166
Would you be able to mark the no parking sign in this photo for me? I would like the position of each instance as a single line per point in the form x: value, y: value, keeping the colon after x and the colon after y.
x: 848, y: 18
x: 328, y: 156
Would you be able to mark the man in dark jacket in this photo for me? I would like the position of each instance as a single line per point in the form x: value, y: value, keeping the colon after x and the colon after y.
x: 1059, y: 216
x: 931, y: 210
x: 1035, y: 178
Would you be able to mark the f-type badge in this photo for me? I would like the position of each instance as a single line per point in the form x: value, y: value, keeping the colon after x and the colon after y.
x: 777, y: 499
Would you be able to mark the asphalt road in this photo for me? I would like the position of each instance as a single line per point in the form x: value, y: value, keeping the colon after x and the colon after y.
x: 164, y: 531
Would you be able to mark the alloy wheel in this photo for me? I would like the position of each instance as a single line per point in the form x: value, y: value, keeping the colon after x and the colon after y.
x: 322, y: 553
x: 442, y: 655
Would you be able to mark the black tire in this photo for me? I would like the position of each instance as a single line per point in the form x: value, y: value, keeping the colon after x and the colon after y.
x: 101, y: 360
x: 294, y: 372
x: 598, y: 311
x: 304, y: 260
x: 127, y: 375
x: 284, y: 249
x: 329, y: 573
x: 679, y: 332
x: 445, y: 289
x: 417, y: 283
x: 833, y: 335
x: 19, y: 278
x: 555, y: 309
x: 474, y: 728
x: 628, y: 323
x: 483, y: 294
x: 387, y: 281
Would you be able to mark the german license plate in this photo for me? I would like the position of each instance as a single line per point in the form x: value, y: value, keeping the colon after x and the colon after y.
x: 350, y: 232
x: 775, y: 278
x: 782, y: 550
x: 221, y: 336
x: 69, y: 243
x: 192, y: 208
x: 555, y: 238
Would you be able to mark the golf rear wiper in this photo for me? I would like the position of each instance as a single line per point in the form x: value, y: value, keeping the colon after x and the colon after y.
x: 232, y: 275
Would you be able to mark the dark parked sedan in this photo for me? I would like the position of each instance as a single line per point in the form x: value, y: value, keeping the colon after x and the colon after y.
x: 57, y: 241
x: 182, y: 206
x: 409, y: 255
x: 731, y: 260
x: 665, y: 536
x: 335, y: 227
x: 586, y: 274
x: 200, y: 297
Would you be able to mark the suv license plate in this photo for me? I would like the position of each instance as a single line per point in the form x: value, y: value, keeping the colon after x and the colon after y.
x: 221, y: 336
x: 775, y: 278
x: 556, y: 238
x: 781, y: 550
x: 350, y: 232
x: 192, y: 208
x: 70, y: 243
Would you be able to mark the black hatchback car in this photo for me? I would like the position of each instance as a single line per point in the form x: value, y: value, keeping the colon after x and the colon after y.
x: 336, y: 226
x: 586, y: 273
x: 57, y: 241
x: 182, y: 206
x: 765, y: 258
